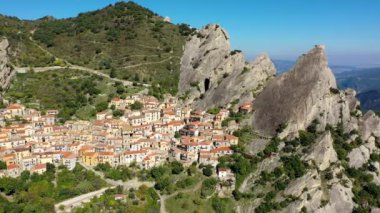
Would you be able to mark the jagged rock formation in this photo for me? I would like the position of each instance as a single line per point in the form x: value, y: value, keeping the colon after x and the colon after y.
x: 5, y: 70
x: 310, y: 181
x: 312, y: 190
x: 369, y: 125
x: 340, y: 199
x: 369, y: 129
x: 305, y: 93
x: 213, y: 75
x: 323, y: 153
x: 360, y: 155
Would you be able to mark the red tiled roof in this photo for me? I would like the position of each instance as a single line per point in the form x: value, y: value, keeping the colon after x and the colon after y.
x: 14, y: 106
x: 220, y: 149
x: 106, y: 153
x: 40, y: 166
x: 89, y: 154
x: 12, y: 166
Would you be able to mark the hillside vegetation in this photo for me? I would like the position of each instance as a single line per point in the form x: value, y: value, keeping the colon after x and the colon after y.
x: 39, y: 193
x: 124, y: 40
x: 24, y: 52
x: 74, y: 93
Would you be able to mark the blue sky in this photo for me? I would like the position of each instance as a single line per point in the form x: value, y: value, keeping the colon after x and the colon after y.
x: 283, y: 28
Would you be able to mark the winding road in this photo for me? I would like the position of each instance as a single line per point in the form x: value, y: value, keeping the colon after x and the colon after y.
x: 74, y: 67
x: 79, y: 200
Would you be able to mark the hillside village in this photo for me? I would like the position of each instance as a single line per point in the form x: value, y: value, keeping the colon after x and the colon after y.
x: 146, y: 137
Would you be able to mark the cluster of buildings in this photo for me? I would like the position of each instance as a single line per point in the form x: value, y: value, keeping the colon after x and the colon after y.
x: 147, y: 137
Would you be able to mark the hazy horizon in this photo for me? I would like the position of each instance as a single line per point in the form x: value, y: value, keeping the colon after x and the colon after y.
x: 284, y: 30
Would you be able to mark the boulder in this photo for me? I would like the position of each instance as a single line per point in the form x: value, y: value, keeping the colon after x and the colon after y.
x: 361, y: 154
x: 323, y: 152
x: 369, y: 125
x: 340, y: 200
x: 310, y: 180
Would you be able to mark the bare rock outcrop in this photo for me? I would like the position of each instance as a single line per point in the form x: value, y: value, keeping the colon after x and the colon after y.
x: 6, y: 71
x: 213, y: 75
x: 361, y: 154
x: 306, y: 186
x: 322, y: 152
x: 369, y: 125
x: 310, y: 180
x: 305, y: 93
x: 340, y: 200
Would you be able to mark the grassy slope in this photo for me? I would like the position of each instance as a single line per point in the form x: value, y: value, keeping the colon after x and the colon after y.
x: 73, y: 92
x: 24, y: 52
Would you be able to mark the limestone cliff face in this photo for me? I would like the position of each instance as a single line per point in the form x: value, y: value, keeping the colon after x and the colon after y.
x: 213, y: 75
x: 305, y: 93
x: 369, y: 125
x: 322, y: 152
x: 6, y: 72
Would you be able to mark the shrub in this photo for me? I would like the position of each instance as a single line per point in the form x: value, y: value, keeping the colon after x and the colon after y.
x: 272, y: 146
x: 208, y: 187
x: 214, y: 110
x: 101, y: 106
x: 207, y: 170
x: 334, y: 90
x: 137, y: 105
x: 306, y: 138
x: 245, y: 70
x: 293, y: 166
x: 176, y: 167
x: 281, y: 127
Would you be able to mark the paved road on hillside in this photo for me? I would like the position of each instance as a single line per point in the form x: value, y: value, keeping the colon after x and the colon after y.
x: 77, y: 201
x: 74, y: 67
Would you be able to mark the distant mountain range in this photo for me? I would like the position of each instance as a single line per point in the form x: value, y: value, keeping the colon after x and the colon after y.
x: 366, y: 81
x: 361, y: 80
x: 285, y: 65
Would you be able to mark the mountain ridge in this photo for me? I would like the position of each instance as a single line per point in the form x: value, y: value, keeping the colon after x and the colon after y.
x: 306, y: 145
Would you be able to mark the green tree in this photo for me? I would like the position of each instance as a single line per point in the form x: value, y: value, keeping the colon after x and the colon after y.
x: 137, y: 105
x: 113, y: 73
x: 3, y: 165
x: 177, y: 167
x: 306, y: 138
x: 207, y: 170
x: 176, y: 134
x: 117, y: 113
x: 293, y: 166
x: 101, y: 106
